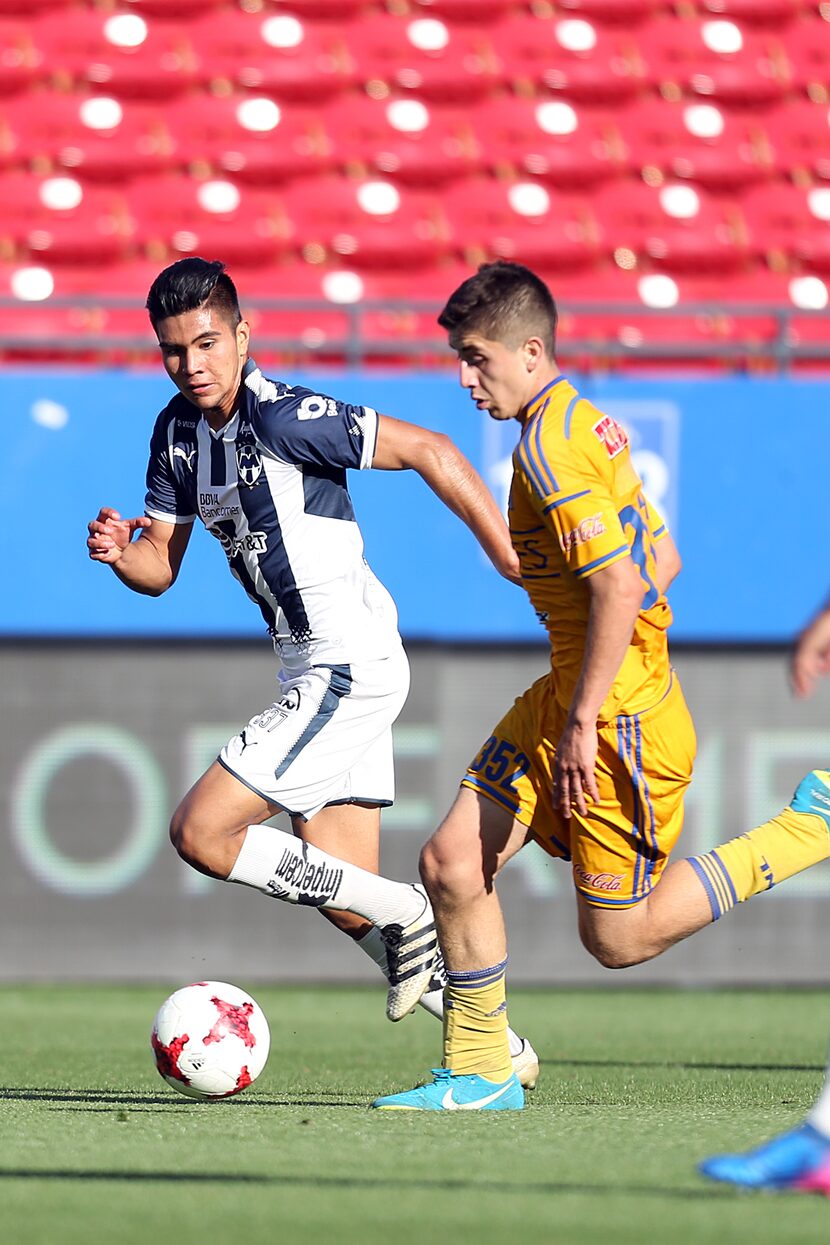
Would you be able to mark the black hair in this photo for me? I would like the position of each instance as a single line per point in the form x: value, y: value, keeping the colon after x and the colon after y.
x: 503, y: 302
x: 191, y: 283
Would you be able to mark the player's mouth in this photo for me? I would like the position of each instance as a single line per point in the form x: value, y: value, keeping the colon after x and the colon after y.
x: 199, y: 391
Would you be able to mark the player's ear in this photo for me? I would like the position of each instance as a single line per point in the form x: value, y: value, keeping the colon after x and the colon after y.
x: 243, y: 337
x: 534, y: 353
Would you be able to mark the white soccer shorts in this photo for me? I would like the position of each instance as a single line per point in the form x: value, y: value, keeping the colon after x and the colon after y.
x: 327, y: 739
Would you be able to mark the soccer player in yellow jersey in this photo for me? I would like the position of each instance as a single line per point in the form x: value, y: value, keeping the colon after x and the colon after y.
x: 593, y: 761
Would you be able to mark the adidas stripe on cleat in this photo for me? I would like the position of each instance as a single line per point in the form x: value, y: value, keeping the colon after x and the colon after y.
x: 412, y: 955
x: 812, y: 795
x: 467, y: 1092
x: 799, y: 1159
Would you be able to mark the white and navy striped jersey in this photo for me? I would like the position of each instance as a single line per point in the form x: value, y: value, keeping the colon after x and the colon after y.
x: 271, y: 486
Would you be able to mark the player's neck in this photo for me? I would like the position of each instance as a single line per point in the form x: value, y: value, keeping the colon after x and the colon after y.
x: 219, y: 417
x: 543, y: 378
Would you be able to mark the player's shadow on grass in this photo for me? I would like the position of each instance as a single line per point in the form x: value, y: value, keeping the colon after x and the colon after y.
x: 351, y: 1183
x: 97, y: 1099
x: 685, y: 1065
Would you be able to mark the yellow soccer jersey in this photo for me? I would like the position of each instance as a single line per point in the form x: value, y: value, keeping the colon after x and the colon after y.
x: 576, y: 506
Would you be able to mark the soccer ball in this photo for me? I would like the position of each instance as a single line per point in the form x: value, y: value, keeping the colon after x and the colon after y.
x: 210, y: 1040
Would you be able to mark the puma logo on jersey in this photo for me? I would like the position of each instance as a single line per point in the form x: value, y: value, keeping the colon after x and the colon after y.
x: 178, y: 452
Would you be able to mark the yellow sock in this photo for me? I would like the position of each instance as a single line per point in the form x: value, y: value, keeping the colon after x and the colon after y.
x: 475, y: 1024
x: 759, y: 860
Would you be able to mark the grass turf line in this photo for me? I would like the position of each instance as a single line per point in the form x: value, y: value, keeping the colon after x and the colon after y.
x: 636, y: 1087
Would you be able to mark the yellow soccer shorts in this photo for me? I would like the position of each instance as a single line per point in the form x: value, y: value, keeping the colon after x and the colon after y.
x: 644, y: 764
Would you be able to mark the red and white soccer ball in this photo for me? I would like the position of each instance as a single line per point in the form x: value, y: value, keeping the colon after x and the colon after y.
x: 210, y: 1040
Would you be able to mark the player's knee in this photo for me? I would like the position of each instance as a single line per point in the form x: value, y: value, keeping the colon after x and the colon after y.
x: 448, y: 875
x: 610, y: 951
x: 193, y: 845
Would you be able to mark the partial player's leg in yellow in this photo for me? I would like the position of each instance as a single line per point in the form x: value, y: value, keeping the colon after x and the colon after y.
x: 695, y: 892
x: 460, y: 863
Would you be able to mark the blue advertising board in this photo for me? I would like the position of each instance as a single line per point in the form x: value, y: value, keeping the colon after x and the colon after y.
x: 737, y: 466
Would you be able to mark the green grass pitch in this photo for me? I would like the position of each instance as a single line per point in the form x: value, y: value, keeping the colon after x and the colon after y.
x: 636, y: 1087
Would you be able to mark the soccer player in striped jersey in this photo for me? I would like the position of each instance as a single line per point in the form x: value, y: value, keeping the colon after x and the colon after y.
x: 593, y: 761
x: 262, y: 464
x: 798, y: 1159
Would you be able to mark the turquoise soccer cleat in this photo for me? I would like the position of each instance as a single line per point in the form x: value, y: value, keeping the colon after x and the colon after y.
x: 447, y: 1092
x: 812, y: 795
x: 799, y: 1159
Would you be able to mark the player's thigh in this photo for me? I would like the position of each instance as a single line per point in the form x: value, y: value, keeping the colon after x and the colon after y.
x: 218, y: 805
x: 473, y: 843
x: 622, y: 844
x: 513, y: 768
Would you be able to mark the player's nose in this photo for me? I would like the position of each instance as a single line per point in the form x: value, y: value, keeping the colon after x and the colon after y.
x: 466, y: 375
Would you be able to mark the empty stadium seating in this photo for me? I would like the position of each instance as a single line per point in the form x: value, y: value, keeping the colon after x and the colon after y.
x: 644, y: 155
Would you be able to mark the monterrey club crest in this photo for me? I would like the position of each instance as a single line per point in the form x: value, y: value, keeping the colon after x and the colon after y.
x: 248, y: 463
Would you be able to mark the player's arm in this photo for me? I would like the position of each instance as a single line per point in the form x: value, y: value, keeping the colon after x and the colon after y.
x: 149, y: 564
x: 811, y: 656
x: 452, y: 478
x: 616, y: 597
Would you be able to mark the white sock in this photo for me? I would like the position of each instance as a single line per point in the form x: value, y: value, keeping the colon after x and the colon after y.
x: 283, y: 866
x: 433, y: 1002
x: 819, y: 1117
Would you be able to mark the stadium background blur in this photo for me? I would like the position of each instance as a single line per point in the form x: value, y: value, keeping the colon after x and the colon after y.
x: 665, y: 167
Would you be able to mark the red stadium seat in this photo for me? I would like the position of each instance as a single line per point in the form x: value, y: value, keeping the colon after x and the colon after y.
x: 695, y: 141
x: 176, y: 216
x: 118, y: 53
x: 674, y: 228
x: 332, y: 10
x: 181, y: 10
x: 30, y: 8
x: 754, y: 12
x: 717, y: 60
x: 407, y: 140
x: 570, y: 57
x: 368, y: 224
x: 624, y: 12
x: 807, y: 47
x: 789, y: 225
x: 413, y: 299
x: 482, y: 12
x: 20, y: 60
x: 550, y: 139
x: 273, y: 54
x: 251, y: 138
x: 56, y: 220
x: 798, y: 134
x: 59, y: 220
x: 520, y: 221
x: 96, y: 138
x: 423, y: 56
x: 639, y: 319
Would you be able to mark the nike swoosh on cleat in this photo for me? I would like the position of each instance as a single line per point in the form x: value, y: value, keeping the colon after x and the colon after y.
x: 449, y: 1103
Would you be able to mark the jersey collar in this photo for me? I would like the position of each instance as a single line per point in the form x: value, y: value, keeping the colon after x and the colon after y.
x: 536, y: 405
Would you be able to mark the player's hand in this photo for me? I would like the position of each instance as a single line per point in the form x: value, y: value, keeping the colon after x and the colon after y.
x: 811, y: 657
x: 574, y: 769
x: 109, y: 534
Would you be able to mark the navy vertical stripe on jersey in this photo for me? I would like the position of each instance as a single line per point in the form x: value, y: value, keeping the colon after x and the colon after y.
x: 217, y: 461
x: 258, y: 507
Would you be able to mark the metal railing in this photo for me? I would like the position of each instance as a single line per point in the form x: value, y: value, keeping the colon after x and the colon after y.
x: 776, y: 346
